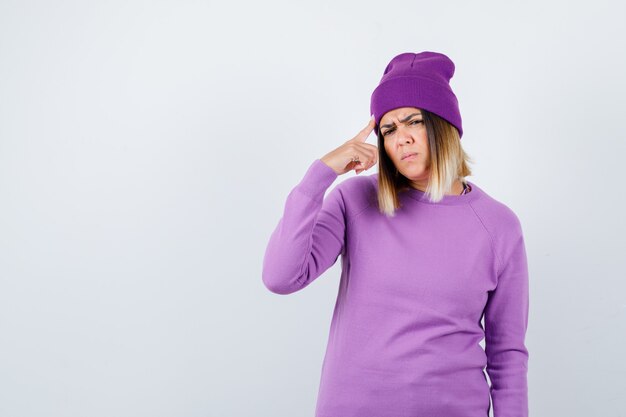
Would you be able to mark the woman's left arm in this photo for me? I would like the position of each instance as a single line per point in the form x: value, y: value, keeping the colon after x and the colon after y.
x: 506, y: 321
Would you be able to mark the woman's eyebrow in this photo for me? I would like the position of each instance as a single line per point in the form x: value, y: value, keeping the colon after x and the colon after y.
x: 403, y: 120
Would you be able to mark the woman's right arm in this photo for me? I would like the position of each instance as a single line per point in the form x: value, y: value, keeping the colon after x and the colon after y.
x: 311, y: 233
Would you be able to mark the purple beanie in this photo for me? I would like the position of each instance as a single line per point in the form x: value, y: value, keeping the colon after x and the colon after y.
x: 417, y: 80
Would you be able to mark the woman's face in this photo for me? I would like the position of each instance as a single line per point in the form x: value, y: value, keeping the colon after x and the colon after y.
x: 404, y: 134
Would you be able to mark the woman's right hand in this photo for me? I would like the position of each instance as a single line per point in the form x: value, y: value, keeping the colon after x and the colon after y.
x: 341, y: 159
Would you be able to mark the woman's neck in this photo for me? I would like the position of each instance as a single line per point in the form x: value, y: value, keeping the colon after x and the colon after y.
x: 457, y: 188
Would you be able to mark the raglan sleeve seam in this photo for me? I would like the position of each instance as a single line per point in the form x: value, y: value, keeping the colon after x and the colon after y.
x: 492, y: 243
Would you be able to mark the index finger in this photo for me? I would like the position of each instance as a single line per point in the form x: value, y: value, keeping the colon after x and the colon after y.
x: 365, y: 132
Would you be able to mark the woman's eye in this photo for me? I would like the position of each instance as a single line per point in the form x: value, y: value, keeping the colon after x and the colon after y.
x: 413, y: 122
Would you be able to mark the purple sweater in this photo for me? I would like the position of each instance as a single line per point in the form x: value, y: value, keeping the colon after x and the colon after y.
x: 405, y: 332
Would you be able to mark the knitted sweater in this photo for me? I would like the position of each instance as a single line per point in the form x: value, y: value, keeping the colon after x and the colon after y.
x: 405, y: 332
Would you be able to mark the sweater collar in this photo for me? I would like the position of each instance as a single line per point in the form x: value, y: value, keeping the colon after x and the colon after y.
x: 447, y: 200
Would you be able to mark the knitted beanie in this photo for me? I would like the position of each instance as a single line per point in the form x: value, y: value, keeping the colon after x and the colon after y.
x: 417, y: 80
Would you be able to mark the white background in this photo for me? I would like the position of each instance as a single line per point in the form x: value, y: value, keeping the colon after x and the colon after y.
x: 147, y: 148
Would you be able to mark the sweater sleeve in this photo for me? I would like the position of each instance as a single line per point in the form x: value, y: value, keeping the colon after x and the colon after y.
x: 310, y: 234
x: 506, y: 321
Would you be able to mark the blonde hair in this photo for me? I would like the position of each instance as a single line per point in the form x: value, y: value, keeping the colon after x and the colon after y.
x: 448, y: 162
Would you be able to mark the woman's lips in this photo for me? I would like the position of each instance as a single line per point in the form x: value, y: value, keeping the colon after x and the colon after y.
x: 412, y: 156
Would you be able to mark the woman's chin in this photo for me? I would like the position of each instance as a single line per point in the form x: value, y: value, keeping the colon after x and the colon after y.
x: 416, y: 175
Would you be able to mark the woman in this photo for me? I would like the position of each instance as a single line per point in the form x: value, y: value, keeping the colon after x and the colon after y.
x: 425, y: 256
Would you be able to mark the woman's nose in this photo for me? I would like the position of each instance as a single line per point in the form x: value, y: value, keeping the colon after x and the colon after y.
x: 404, y: 136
